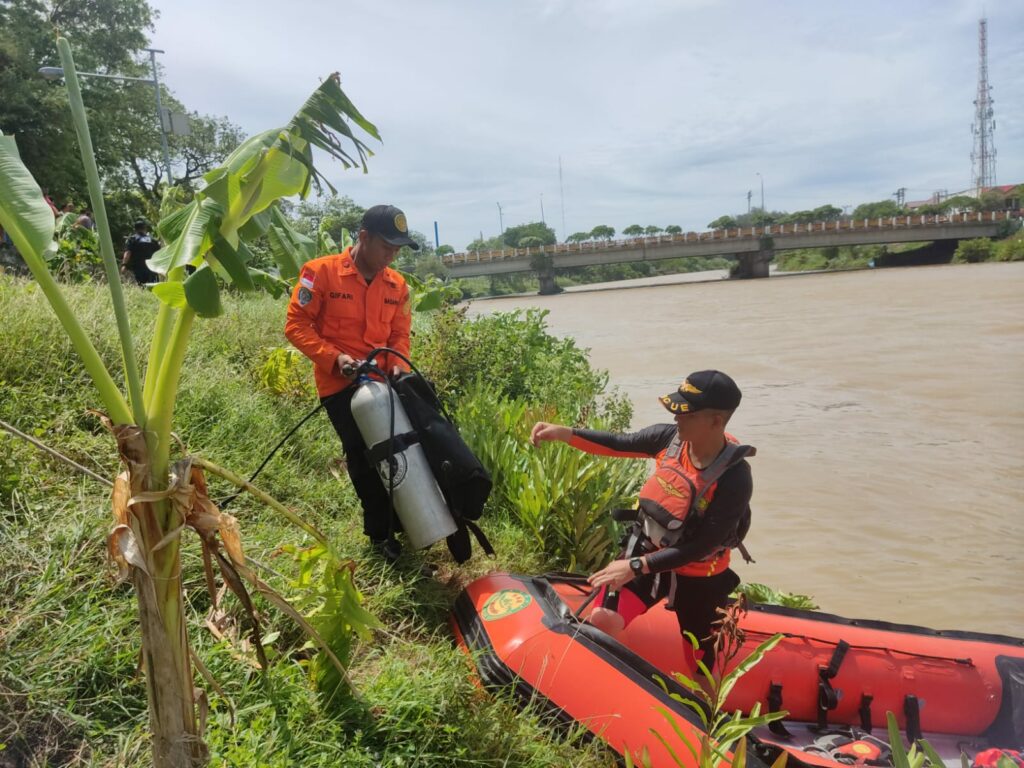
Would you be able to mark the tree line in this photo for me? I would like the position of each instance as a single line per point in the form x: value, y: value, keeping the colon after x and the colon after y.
x: 110, y: 37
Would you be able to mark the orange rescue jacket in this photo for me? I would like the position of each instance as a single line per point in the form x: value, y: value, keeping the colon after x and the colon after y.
x: 672, y: 487
x: 333, y: 311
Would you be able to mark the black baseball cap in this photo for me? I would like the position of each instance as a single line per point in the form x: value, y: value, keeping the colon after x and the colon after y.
x: 388, y: 223
x: 704, y: 389
x: 141, y: 223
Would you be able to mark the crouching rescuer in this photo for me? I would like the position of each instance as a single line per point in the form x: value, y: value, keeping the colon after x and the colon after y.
x: 692, y: 510
x: 348, y: 307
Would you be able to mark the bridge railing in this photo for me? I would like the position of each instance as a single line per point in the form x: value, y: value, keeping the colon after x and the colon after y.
x: 735, y: 233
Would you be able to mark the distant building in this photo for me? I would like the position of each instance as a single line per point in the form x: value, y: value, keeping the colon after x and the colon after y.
x: 1010, y: 193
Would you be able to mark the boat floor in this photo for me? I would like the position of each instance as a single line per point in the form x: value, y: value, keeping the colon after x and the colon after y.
x: 949, y: 747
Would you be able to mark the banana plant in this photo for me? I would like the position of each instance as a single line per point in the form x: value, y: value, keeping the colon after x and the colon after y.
x: 154, y: 498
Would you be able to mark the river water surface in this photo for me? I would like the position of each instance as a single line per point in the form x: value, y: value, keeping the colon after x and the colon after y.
x: 887, y: 407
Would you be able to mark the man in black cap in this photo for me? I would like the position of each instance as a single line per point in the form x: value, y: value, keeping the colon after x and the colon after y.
x: 692, y: 510
x: 137, y: 249
x: 343, y: 306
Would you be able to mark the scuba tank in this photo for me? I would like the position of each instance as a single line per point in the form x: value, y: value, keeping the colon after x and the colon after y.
x: 394, y: 448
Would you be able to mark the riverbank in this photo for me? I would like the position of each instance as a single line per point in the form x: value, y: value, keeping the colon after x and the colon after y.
x: 884, y: 405
x: 71, y: 693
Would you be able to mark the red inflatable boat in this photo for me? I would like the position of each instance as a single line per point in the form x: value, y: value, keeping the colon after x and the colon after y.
x: 837, y: 678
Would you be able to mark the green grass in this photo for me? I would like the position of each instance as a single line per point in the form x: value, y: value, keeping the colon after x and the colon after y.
x: 69, y: 690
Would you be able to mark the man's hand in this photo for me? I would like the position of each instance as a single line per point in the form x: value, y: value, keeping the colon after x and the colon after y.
x: 347, y: 365
x: 615, y: 575
x: 543, y: 431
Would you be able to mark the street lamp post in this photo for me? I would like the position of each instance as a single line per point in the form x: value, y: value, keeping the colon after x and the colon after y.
x: 762, y: 192
x: 542, y: 219
x: 501, y: 222
x: 160, y: 114
x: 56, y: 73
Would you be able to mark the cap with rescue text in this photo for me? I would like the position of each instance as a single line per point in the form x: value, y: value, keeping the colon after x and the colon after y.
x: 704, y: 389
x: 388, y: 223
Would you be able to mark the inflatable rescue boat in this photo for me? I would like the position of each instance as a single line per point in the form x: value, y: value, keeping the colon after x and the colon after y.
x: 835, y: 677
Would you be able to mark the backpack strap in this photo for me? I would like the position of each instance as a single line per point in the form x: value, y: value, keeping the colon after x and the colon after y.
x: 485, y: 545
x: 730, y: 456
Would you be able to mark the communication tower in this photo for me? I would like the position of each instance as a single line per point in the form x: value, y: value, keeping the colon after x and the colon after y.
x: 983, y: 155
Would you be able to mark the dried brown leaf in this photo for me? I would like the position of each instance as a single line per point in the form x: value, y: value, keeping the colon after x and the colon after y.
x: 124, y: 550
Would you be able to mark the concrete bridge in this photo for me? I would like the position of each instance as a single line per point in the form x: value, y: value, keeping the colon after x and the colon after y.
x: 752, y: 246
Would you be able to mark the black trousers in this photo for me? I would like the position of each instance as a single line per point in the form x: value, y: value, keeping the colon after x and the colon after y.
x: 698, y: 599
x: 367, y: 483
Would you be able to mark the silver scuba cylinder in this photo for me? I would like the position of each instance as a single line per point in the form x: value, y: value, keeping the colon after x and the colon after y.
x: 418, y: 500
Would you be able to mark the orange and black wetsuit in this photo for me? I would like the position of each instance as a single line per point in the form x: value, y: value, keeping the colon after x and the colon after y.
x: 693, y: 573
x: 334, y: 310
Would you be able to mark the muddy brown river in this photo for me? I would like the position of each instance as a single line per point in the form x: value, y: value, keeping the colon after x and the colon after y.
x: 887, y: 407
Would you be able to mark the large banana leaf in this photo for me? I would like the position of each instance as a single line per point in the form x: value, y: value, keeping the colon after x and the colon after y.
x: 197, y: 233
x: 266, y: 167
x: 289, y: 247
x: 230, y: 263
x: 24, y: 212
x: 28, y: 219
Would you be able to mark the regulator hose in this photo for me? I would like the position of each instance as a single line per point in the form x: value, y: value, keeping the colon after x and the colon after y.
x: 361, y: 368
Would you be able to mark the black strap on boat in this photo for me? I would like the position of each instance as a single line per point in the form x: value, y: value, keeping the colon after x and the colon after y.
x: 775, y: 705
x: 828, y: 697
x: 578, y: 613
x: 865, y: 712
x: 912, y: 711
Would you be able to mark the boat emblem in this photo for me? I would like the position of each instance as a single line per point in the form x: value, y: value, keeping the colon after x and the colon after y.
x: 504, y: 603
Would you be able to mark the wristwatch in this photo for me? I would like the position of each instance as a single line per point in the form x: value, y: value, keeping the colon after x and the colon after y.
x: 636, y: 565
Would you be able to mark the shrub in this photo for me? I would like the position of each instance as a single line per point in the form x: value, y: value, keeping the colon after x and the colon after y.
x: 561, y: 496
x: 285, y: 372
x: 501, y: 373
x: 518, y: 359
x: 801, y: 261
x: 77, y: 257
x: 1011, y: 249
x: 973, y: 251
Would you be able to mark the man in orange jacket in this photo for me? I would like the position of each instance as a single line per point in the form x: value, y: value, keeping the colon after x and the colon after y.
x: 344, y: 306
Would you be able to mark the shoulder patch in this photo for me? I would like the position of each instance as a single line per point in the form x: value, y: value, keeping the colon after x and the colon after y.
x: 305, y: 296
x: 307, y: 277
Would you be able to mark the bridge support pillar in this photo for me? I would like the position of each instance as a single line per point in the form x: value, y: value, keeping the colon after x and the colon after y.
x: 543, y: 266
x: 754, y: 264
x: 548, y: 285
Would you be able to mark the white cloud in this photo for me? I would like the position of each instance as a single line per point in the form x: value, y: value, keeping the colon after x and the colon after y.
x: 661, y: 111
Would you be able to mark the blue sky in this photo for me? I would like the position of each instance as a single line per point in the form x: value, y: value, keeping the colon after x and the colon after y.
x: 662, y: 111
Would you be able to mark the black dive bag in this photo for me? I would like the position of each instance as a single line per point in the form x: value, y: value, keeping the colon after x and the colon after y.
x: 462, y: 478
